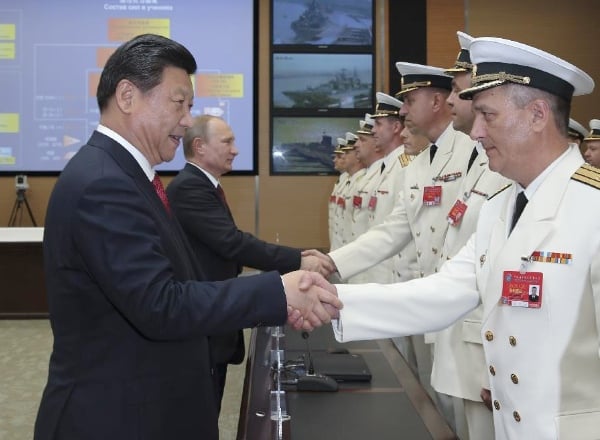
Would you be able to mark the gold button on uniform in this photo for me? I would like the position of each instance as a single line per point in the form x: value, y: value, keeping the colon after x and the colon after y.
x: 512, y: 340
x: 492, y: 370
x: 489, y: 336
x: 514, y: 378
x: 517, y: 416
x: 497, y: 405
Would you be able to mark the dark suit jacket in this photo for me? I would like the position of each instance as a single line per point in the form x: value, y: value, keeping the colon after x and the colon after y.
x: 130, y: 357
x: 220, y: 247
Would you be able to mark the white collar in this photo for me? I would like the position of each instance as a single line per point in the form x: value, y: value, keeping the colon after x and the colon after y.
x: 137, y: 155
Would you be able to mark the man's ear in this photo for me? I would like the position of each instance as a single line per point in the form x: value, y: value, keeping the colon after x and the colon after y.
x: 124, y: 95
x: 198, y: 145
x: 438, y: 101
x: 540, y: 114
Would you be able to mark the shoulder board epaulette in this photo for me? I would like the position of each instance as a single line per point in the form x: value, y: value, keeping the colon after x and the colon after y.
x: 588, y: 174
x: 405, y: 159
x: 500, y: 190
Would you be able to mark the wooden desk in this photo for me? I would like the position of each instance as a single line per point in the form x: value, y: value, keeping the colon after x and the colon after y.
x: 393, y: 406
x: 23, y: 291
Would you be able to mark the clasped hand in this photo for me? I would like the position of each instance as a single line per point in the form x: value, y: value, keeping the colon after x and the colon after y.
x: 316, y: 261
x: 312, y: 300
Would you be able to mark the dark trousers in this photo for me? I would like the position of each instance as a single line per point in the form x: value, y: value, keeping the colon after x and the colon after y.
x: 219, y: 376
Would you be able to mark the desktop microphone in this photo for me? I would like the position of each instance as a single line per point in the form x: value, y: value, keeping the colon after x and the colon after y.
x: 312, y: 381
x: 310, y: 368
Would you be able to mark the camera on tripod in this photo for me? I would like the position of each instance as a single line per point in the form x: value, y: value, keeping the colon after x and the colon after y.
x: 21, y: 187
x: 21, y: 182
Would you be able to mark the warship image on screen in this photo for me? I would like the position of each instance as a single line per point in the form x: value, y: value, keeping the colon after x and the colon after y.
x: 323, y: 22
x: 322, y: 81
x: 304, y: 145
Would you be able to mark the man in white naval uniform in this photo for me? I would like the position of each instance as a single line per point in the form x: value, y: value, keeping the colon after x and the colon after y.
x: 429, y: 189
x: 370, y: 155
x: 356, y: 170
x: 459, y: 372
x: 591, y: 153
x: 542, y: 358
x: 339, y: 164
x: 576, y: 134
x: 386, y: 130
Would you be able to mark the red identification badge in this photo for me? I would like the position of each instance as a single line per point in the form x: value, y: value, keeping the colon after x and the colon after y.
x: 522, y: 289
x: 457, y: 212
x: 332, y: 198
x: 372, y: 203
x: 357, y: 202
x: 341, y: 202
x: 432, y: 195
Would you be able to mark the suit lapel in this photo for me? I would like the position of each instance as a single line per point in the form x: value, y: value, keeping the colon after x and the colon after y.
x: 131, y: 168
x: 197, y: 173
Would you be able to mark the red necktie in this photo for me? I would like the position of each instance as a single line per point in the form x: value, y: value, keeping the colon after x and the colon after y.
x: 160, y: 191
x: 222, y: 195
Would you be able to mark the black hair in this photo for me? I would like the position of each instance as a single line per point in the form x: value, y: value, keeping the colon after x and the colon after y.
x: 142, y: 61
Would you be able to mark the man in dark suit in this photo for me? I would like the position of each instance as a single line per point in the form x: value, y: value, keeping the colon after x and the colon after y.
x: 199, y: 203
x: 130, y: 324
x: 533, y: 294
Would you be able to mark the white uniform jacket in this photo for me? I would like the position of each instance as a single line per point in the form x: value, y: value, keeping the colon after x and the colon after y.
x: 386, y: 187
x: 543, y: 364
x: 459, y: 367
x: 413, y: 230
x: 360, y: 199
x: 380, y: 203
x: 346, y: 229
x: 332, y: 211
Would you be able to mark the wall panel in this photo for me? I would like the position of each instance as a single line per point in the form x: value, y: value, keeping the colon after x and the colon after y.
x: 566, y: 29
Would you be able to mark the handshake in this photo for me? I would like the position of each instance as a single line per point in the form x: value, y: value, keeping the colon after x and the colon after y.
x: 312, y: 301
x: 316, y: 261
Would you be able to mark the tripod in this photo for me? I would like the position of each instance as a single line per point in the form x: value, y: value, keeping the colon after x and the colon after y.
x: 17, y: 210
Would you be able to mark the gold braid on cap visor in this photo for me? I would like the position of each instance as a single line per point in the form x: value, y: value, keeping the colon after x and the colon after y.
x: 500, y: 77
x: 463, y: 65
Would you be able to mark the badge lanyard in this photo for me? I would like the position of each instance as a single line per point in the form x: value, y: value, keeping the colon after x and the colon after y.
x: 459, y: 208
x: 373, y: 199
x: 357, y: 199
x: 432, y: 195
x: 522, y: 288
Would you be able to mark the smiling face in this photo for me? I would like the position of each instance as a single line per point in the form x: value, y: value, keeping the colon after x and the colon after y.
x: 159, y: 117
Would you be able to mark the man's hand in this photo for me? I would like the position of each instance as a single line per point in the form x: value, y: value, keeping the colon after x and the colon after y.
x: 316, y: 261
x: 486, y: 396
x: 312, y: 301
